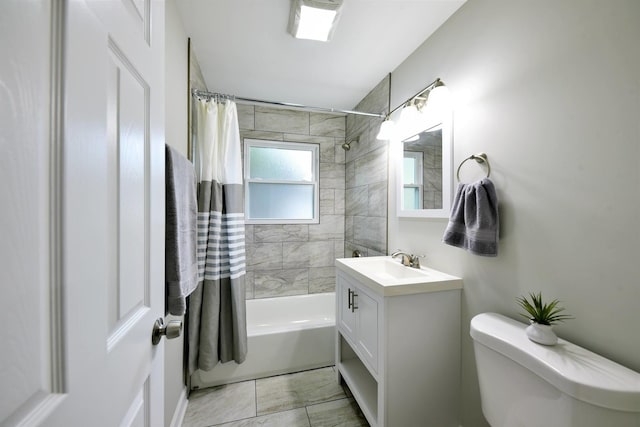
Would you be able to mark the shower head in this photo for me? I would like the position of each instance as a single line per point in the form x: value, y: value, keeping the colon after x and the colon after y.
x: 347, y: 144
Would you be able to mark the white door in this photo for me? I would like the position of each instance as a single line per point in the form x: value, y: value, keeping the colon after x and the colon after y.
x: 82, y: 218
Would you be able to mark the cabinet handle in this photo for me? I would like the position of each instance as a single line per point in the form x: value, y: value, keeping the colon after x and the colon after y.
x: 354, y: 307
x: 350, y: 296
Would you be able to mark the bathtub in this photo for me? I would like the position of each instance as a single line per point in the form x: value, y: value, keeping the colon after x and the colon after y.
x: 285, y: 334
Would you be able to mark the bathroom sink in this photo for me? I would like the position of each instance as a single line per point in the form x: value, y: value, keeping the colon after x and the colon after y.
x: 388, y: 276
x: 390, y: 270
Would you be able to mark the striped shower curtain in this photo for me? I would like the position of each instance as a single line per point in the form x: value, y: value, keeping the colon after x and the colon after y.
x: 216, y: 313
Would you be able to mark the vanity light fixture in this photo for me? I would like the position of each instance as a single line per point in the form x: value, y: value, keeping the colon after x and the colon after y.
x: 411, y: 115
x: 437, y: 102
x: 387, y: 129
x: 426, y: 105
x: 314, y: 19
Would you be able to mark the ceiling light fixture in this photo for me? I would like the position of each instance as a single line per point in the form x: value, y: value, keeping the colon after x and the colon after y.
x: 314, y: 19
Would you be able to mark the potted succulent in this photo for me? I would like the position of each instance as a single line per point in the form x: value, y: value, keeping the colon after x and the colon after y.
x: 542, y: 317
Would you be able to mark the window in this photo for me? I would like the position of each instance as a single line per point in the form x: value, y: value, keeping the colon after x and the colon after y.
x: 281, y: 182
x: 412, y: 180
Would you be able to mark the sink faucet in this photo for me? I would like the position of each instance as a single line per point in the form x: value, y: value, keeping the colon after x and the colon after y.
x: 408, y: 260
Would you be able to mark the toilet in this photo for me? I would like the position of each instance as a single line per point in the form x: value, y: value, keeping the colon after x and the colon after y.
x: 524, y: 384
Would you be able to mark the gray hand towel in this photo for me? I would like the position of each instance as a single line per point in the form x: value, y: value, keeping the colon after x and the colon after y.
x: 473, y: 223
x: 181, y: 266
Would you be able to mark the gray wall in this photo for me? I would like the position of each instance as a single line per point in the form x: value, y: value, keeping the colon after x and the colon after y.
x: 550, y: 91
x: 296, y: 259
x: 366, y: 177
x: 176, y: 136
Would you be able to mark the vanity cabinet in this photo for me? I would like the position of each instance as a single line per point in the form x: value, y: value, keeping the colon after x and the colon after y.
x: 398, y: 348
x: 358, y: 320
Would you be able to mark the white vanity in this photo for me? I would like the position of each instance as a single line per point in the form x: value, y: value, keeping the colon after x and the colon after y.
x: 398, y: 341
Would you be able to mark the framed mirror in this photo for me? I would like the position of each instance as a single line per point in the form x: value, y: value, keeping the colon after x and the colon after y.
x: 425, y: 173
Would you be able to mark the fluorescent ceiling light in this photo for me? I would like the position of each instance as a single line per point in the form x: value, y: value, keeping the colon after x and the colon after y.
x: 314, y: 19
x: 315, y: 24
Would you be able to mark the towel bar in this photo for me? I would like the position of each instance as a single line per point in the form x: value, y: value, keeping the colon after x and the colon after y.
x: 480, y: 158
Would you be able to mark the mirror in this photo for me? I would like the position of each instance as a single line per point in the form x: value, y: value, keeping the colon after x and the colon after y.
x: 425, y: 175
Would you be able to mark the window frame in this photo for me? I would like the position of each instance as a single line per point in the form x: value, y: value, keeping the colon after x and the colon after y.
x: 315, y: 182
x: 418, y: 157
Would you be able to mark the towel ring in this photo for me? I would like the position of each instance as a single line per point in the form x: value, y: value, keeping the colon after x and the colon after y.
x: 480, y: 158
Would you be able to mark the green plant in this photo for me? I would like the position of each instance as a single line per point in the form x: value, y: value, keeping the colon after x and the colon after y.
x: 539, y: 312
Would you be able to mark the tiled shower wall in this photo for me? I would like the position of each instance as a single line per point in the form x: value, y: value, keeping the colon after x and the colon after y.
x: 367, y: 177
x: 432, y: 176
x: 298, y: 259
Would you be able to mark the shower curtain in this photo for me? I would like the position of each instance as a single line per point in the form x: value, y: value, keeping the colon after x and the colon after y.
x: 216, y: 313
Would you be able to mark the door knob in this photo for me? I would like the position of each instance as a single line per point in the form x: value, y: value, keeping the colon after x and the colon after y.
x: 170, y: 330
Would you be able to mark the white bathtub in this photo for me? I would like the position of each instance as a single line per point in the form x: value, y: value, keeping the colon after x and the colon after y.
x: 285, y: 334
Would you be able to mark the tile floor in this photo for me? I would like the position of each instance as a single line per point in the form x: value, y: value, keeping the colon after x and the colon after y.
x: 302, y: 399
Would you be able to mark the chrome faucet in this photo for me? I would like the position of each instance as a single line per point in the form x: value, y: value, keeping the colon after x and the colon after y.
x: 408, y: 260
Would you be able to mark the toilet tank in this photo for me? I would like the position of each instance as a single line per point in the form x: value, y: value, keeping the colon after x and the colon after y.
x: 527, y: 384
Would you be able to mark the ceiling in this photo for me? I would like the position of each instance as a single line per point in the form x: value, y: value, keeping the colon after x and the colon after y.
x: 244, y: 49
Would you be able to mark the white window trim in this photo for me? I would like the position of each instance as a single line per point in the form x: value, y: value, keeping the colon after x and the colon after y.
x: 419, y: 157
x: 315, y: 182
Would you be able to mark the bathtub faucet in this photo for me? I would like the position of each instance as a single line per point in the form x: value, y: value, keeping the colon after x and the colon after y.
x: 409, y: 260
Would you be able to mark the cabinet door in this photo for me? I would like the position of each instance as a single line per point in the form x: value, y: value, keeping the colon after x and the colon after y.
x: 367, y: 328
x: 346, y: 316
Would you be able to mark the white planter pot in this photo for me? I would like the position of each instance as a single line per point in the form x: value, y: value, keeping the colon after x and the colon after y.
x: 542, y: 334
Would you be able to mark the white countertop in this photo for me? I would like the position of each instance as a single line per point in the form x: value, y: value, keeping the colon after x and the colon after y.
x: 388, y: 277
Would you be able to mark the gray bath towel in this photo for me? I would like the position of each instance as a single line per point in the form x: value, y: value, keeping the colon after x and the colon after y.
x: 473, y: 223
x: 181, y: 264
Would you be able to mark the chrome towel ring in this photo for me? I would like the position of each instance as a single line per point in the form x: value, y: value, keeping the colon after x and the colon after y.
x: 480, y: 158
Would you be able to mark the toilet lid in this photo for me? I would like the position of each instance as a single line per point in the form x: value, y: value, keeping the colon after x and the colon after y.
x: 574, y: 370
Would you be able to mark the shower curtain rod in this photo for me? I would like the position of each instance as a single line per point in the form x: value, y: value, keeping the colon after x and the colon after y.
x: 204, y: 94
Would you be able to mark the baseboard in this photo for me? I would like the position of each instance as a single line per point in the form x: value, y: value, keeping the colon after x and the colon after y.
x: 181, y: 409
